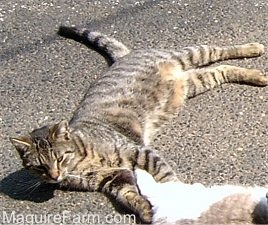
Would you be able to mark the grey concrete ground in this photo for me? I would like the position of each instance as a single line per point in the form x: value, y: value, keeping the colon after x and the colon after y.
x: 218, y: 137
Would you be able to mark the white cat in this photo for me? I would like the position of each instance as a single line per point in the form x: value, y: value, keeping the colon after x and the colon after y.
x: 176, y: 202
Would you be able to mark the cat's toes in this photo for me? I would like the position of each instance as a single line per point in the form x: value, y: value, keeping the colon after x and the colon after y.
x: 146, y: 214
x: 147, y: 217
x: 263, y: 79
x: 257, y: 77
x: 254, y: 49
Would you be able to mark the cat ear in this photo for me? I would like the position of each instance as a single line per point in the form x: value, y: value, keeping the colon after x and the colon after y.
x: 60, y: 131
x: 22, y: 144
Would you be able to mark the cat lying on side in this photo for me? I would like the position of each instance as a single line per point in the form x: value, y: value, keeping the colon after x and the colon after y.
x: 110, y: 132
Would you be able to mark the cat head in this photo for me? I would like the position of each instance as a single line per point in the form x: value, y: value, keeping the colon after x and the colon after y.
x: 47, y: 151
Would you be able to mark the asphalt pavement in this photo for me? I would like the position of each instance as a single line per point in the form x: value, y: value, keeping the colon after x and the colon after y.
x: 218, y: 137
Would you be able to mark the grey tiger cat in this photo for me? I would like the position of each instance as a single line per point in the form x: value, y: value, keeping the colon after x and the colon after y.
x: 110, y: 133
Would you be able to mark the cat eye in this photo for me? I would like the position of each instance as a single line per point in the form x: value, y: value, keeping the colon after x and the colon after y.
x: 69, y: 152
x: 40, y: 168
x: 60, y: 159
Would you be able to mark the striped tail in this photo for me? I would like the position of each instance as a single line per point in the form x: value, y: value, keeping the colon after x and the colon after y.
x: 107, y: 46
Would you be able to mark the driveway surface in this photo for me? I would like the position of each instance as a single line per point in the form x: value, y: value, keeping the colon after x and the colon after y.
x: 218, y: 137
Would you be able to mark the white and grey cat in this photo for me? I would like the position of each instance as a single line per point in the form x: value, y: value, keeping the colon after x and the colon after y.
x: 180, y: 203
x: 109, y: 135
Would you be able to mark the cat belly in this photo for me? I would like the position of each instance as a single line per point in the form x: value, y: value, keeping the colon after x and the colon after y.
x: 175, y: 201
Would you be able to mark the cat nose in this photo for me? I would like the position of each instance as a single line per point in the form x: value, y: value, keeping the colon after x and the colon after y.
x: 55, y: 175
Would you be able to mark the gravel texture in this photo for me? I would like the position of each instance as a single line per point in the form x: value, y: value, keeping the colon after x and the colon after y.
x: 218, y: 137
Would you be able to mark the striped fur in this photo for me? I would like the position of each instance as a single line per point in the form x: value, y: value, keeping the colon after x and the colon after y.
x: 108, y: 46
x: 111, y: 130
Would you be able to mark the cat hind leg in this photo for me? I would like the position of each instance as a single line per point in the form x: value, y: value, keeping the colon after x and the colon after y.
x: 202, y: 80
x: 198, y: 56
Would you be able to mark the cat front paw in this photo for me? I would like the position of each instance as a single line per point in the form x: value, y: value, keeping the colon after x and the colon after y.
x: 146, y: 212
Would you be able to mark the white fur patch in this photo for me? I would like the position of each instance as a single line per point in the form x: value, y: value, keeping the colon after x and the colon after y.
x: 174, y: 200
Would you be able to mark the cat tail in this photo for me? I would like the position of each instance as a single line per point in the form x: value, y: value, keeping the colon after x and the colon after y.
x: 204, y: 79
x: 109, y: 47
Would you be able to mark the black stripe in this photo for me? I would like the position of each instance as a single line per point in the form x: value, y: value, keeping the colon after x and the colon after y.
x: 84, y: 147
x: 146, y: 154
x: 201, y: 79
x: 118, y: 156
x: 221, y: 53
x: 103, y: 161
x: 159, y: 168
x: 192, y: 88
x: 83, y: 153
x: 203, y: 56
x: 211, y: 51
x: 104, y: 182
x: 129, y: 191
x: 167, y: 174
x: 70, y: 32
x: 156, y: 159
x: 190, y: 55
x: 224, y: 76
x: 181, y: 62
x: 85, y: 33
x: 135, y: 158
x: 213, y: 75
x: 81, y: 182
x: 97, y: 41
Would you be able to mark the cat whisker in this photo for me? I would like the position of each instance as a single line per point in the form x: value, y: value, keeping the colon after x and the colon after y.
x: 28, y: 182
x: 30, y: 189
x: 34, y: 187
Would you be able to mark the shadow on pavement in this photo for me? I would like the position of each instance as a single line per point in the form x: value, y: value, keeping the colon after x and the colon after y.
x: 21, y: 185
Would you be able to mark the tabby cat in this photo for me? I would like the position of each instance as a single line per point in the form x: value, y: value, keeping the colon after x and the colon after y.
x: 110, y: 133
